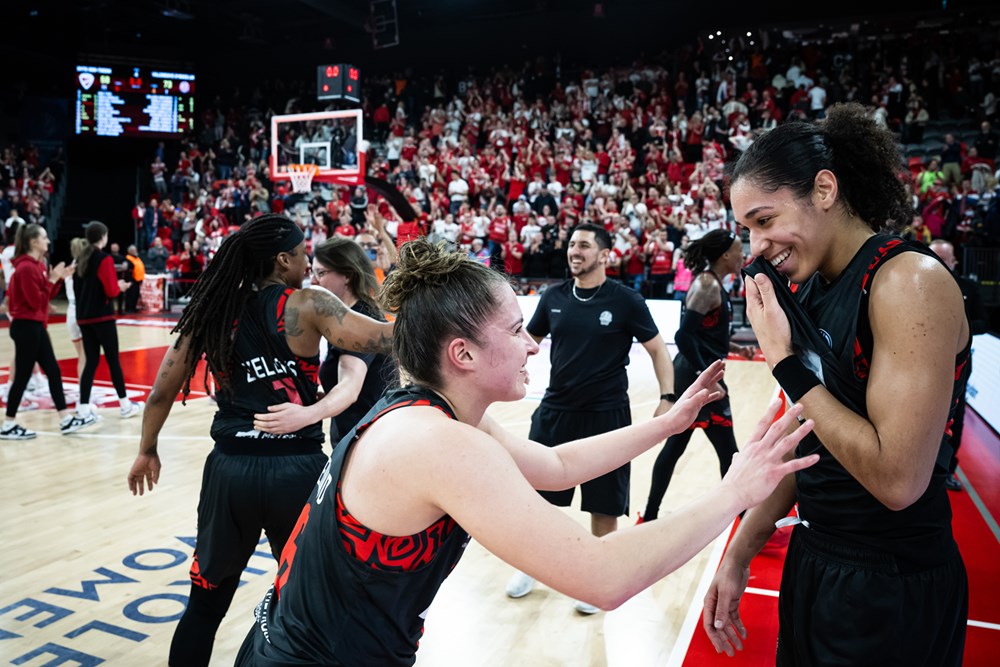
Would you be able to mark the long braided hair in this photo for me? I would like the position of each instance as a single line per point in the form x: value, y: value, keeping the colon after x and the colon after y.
x: 213, y: 315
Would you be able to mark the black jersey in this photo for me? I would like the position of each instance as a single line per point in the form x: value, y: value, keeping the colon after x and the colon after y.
x: 266, y: 372
x: 329, y: 606
x: 381, y: 375
x: 712, y: 341
x: 591, y: 339
x: 832, y: 335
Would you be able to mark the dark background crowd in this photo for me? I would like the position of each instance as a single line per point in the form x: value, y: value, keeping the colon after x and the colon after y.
x: 504, y: 148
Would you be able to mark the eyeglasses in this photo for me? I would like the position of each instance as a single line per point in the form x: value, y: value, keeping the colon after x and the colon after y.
x: 368, y: 246
x: 318, y: 274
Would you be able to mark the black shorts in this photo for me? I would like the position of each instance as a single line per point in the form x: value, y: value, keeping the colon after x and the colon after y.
x: 607, y: 494
x: 240, y: 496
x: 843, y: 604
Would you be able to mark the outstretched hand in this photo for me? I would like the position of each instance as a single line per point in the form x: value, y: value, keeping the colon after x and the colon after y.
x: 760, y: 465
x: 705, y: 389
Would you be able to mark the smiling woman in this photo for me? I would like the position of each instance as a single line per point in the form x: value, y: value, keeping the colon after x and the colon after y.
x: 389, y: 520
x: 874, y: 318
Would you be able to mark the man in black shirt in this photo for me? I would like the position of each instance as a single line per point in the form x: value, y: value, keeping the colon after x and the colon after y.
x: 592, y: 322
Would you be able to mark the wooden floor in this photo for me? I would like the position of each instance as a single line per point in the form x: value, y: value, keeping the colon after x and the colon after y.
x: 97, y: 576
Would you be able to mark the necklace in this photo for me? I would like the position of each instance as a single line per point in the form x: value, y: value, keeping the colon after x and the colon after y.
x: 582, y: 300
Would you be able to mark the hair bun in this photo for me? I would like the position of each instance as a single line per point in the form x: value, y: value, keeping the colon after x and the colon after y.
x: 421, y: 264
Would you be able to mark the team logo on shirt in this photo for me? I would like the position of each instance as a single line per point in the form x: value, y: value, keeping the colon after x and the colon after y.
x: 605, y: 318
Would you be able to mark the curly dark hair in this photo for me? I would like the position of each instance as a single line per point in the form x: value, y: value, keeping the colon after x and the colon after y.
x: 863, y: 156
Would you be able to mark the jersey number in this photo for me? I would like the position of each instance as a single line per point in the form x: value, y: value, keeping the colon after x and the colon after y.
x: 288, y: 385
x: 288, y: 553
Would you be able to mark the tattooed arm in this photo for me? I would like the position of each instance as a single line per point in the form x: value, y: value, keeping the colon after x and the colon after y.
x: 174, y: 369
x: 310, y: 314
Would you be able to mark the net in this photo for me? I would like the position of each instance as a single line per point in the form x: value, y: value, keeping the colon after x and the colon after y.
x: 301, y: 176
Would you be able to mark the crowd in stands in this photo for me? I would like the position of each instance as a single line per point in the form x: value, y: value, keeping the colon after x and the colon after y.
x: 503, y: 163
x: 26, y: 185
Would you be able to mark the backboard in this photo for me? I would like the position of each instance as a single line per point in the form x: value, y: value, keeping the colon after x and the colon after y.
x: 331, y: 140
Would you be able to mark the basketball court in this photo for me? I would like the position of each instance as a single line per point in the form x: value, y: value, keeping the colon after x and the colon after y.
x: 97, y: 576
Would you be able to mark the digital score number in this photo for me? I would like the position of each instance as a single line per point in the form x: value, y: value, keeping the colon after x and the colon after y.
x: 338, y: 82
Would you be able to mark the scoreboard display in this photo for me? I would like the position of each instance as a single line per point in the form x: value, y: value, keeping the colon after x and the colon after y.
x: 133, y: 102
x: 338, y: 82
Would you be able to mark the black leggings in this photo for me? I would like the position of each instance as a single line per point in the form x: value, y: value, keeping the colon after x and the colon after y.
x: 96, y: 336
x: 32, y: 345
x: 192, y: 643
x: 722, y: 439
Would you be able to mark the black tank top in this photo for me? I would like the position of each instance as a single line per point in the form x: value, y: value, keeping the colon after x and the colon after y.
x: 329, y: 605
x: 716, y: 328
x: 832, y: 335
x: 266, y: 372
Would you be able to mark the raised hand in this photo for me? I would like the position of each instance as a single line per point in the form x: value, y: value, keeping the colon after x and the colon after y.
x: 705, y: 389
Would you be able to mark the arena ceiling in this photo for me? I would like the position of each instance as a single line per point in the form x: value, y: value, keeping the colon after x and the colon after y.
x: 258, y: 33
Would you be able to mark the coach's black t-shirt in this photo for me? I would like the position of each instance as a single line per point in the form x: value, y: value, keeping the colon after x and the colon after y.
x: 381, y: 374
x: 267, y: 372
x: 591, y: 341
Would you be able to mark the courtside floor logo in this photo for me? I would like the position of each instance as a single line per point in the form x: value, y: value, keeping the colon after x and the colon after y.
x: 148, y: 588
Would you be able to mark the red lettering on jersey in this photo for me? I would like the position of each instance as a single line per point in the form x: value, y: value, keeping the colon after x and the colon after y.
x: 288, y: 553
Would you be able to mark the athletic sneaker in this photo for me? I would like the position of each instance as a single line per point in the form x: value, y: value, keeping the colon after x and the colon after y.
x: 16, y: 432
x: 585, y: 608
x: 519, y: 585
x: 131, y: 410
x: 74, y: 423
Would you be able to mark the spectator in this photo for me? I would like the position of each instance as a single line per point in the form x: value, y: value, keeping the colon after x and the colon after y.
x: 135, y: 273
x: 157, y: 257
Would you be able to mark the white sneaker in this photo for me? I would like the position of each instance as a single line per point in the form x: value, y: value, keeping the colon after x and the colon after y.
x: 75, y: 422
x: 16, y: 432
x: 131, y: 410
x: 519, y: 585
x: 585, y: 607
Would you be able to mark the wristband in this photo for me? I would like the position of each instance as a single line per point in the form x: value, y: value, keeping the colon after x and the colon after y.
x: 795, y: 379
x: 672, y: 397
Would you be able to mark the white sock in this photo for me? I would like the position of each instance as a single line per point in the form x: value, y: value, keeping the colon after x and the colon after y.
x: 8, y: 424
x: 85, y: 409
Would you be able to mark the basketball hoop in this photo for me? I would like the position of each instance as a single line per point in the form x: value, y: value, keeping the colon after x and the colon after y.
x: 301, y: 176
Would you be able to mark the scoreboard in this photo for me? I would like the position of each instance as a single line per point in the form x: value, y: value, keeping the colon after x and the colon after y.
x: 133, y: 102
x: 338, y: 82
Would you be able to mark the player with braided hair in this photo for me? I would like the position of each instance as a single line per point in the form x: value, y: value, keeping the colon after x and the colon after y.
x: 260, y: 333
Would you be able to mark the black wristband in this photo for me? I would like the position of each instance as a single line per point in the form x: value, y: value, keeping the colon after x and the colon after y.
x: 795, y: 379
x: 672, y: 397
